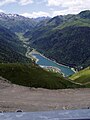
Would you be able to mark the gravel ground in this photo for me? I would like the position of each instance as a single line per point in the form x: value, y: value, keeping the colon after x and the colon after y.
x: 14, y: 97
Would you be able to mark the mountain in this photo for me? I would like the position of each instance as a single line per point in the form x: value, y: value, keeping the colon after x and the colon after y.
x: 60, y: 22
x: 20, y: 24
x: 11, y: 49
x: 69, y: 46
x: 82, y: 77
x: 16, y: 23
x: 85, y: 14
x: 65, y: 39
x: 40, y: 19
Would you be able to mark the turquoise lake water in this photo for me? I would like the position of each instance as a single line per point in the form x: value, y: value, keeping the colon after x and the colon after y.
x: 46, y: 62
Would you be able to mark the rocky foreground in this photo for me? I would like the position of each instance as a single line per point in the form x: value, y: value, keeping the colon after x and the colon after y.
x: 14, y: 97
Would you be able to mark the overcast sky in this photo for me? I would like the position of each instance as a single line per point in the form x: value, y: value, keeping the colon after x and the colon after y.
x: 38, y: 8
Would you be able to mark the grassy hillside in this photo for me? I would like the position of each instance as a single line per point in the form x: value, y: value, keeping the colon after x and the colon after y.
x: 82, y: 76
x: 78, y: 22
x: 33, y: 76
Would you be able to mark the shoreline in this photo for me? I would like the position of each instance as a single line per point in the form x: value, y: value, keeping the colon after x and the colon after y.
x: 47, y: 67
x: 73, y: 70
x: 54, y: 69
x: 36, y: 52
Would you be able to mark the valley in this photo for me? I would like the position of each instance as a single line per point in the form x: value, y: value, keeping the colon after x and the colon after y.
x: 44, y: 62
x: 63, y: 48
x: 64, y: 39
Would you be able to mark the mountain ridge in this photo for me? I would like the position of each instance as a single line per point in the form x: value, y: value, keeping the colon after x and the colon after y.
x: 48, y: 38
x: 39, y: 29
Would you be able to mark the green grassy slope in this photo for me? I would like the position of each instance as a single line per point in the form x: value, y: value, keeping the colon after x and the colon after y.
x: 78, y: 22
x: 81, y: 19
x: 33, y: 76
x: 82, y: 76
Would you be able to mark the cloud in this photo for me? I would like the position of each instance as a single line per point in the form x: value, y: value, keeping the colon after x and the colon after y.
x: 21, y: 2
x: 66, y: 3
x: 25, y: 2
x: 41, y: 1
x: 54, y: 2
x: 3, y: 2
x: 69, y: 6
x: 1, y: 10
x: 36, y: 14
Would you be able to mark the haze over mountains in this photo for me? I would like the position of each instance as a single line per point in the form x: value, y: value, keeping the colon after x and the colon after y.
x: 65, y: 39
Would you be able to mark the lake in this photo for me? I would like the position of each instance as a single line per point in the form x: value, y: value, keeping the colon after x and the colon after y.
x: 43, y: 61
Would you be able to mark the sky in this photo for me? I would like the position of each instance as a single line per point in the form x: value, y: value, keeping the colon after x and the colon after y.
x: 40, y: 8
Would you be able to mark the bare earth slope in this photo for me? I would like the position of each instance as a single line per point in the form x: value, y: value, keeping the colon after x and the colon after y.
x: 13, y: 97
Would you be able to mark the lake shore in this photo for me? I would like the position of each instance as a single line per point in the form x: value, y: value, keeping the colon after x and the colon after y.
x: 36, y: 52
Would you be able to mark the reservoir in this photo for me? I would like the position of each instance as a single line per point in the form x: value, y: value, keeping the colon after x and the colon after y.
x: 43, y: 61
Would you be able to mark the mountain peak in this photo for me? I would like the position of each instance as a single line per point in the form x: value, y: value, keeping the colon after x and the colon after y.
x: 11, y: 16
x: 85, y: 14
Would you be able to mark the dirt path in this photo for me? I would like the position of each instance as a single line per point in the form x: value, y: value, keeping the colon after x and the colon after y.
x: 13, y: 97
